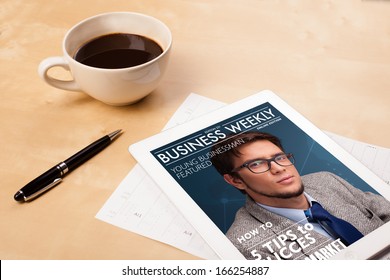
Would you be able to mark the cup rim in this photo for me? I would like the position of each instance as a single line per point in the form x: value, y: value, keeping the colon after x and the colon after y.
x: 164, y: 53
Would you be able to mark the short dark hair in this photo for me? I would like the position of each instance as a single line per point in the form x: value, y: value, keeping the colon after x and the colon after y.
x: 223, y: 151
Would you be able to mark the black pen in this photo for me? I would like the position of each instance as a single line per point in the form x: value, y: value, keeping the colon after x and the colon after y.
x: 54, y: 175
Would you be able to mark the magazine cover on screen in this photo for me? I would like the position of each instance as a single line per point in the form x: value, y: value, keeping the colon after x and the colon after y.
x: 271, y: 183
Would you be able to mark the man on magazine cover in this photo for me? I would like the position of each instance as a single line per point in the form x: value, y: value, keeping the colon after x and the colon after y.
x: 288, y: 216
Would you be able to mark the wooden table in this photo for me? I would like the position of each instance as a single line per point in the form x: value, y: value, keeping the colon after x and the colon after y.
x: 329, y: 59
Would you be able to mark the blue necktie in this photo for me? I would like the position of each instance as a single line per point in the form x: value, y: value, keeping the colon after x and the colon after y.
x: 336, y: 227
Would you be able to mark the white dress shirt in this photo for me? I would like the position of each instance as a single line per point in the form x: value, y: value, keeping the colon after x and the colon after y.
x: 297, y: 215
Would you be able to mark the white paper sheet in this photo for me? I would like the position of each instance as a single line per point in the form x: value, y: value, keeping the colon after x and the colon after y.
x: 138, y: 204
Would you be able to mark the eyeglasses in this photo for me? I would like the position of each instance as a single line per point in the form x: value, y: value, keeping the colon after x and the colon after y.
x: 263, y: 165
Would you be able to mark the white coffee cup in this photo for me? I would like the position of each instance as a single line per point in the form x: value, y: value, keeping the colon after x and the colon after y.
x: 120, y: 86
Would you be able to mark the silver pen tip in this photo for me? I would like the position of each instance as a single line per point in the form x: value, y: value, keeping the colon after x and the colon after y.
x: 114, y: 134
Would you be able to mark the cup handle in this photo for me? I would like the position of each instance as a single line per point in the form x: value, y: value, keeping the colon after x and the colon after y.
x: 56, y: 61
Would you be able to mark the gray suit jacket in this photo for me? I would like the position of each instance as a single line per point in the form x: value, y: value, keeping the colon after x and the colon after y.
x: 258, y: 233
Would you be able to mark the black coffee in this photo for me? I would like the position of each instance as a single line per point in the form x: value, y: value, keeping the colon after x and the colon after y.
x: 118, y: 50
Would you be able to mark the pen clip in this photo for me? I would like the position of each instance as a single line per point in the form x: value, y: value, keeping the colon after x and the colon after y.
x: 48, y: 187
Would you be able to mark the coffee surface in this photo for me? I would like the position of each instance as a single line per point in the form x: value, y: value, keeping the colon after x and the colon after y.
x: 118, y: 50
